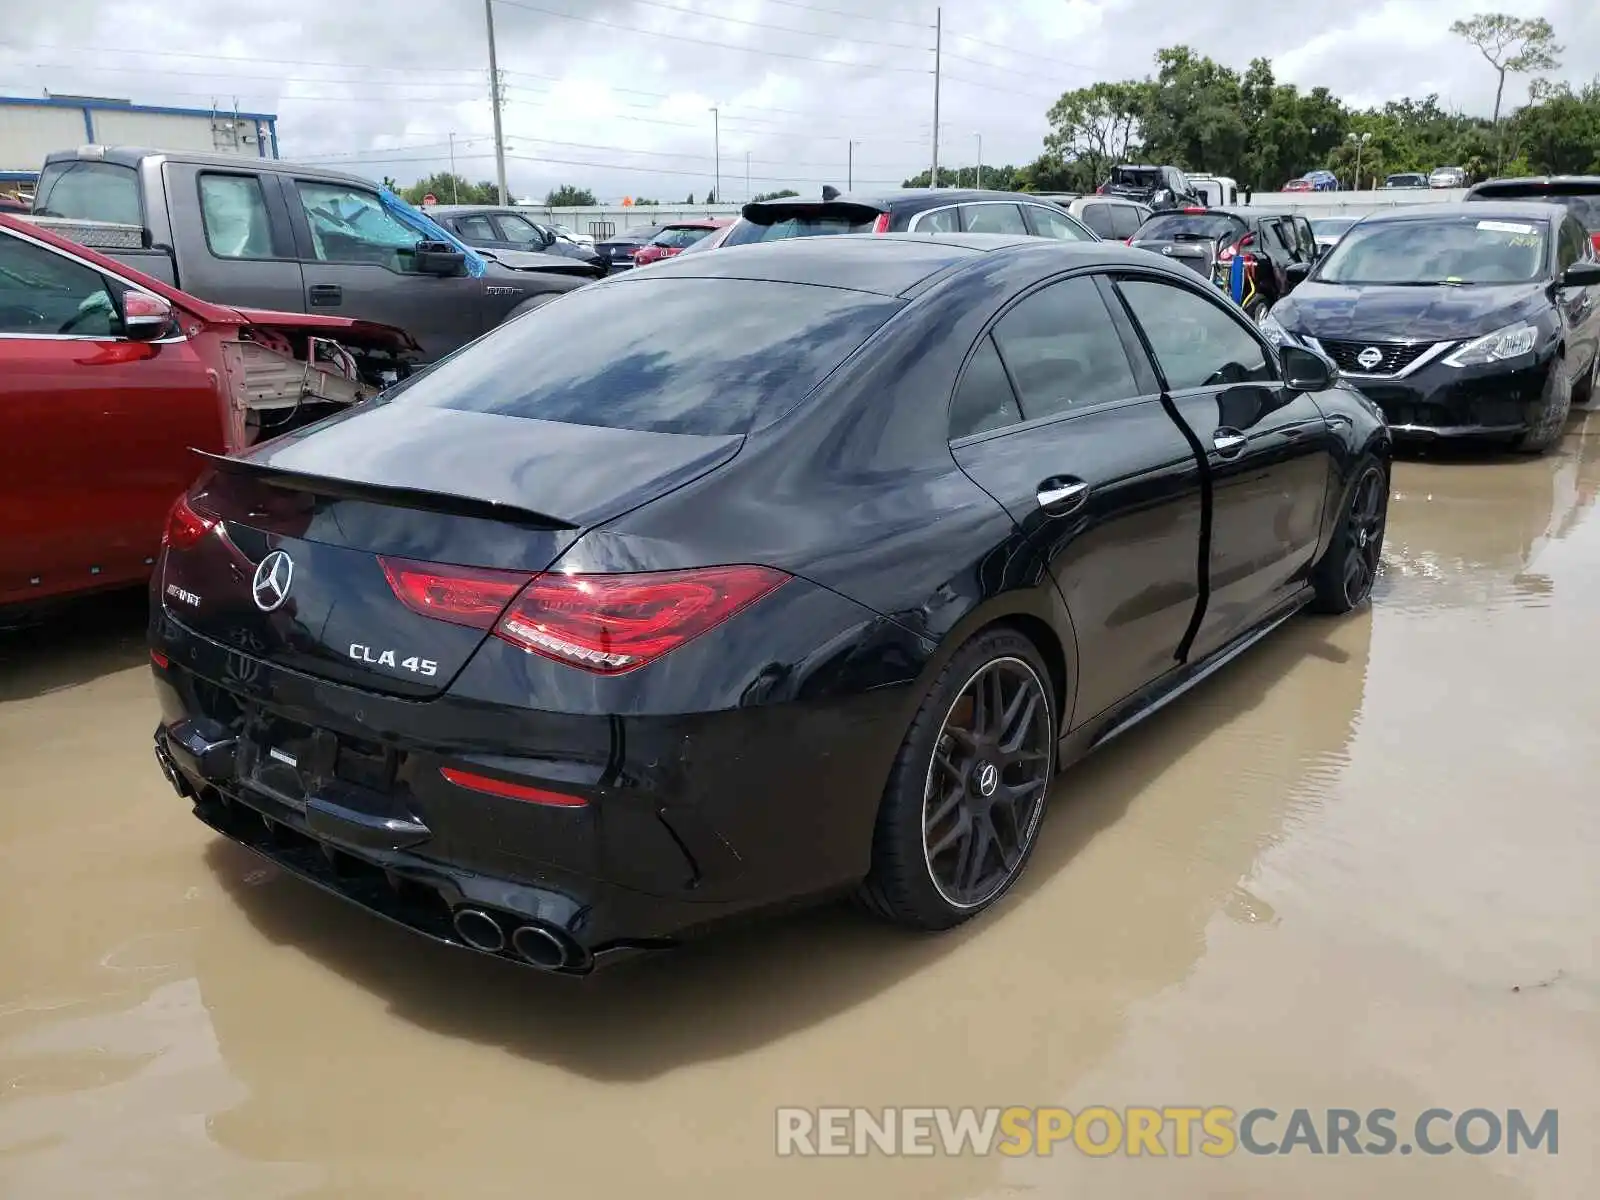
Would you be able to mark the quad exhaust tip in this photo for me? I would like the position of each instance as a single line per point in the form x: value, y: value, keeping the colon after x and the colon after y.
x: 479, y: 930
x: 539, y: 946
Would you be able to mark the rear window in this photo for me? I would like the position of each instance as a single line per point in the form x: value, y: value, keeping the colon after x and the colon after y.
x: 89, y: 191
x: 800, y: 225
x: 1584, y: 206
x: 1136, y: 176
x: 1179, y: 227
x: 700, y: 356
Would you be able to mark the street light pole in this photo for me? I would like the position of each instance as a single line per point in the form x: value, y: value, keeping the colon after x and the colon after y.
x: 938, y: 36
x: 850, y: 166
x: 747, y: 192
x: 978, y: 174
x: 1361, y: 142
x: 716, y: 151
x: 455, y: 188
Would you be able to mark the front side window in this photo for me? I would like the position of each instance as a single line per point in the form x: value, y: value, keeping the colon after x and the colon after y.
x: 1570, y: 248
x: 350, y: 225
x: 233, y: 210
x: 1197, y: 342
x: 1063, y: 351
x: 1439, y: 250
x: 993, y: 218
x: 42, y: 292
x: 520, y: 230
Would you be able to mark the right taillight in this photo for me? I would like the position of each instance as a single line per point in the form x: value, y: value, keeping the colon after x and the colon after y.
x: 881, y: 225
x: 611, y: 624
x: 184, y: 527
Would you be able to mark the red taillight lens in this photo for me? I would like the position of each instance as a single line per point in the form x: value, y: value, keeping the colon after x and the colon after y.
x: 160, y: 659
x: 1595, y: 238
x: 1194, y: 208
x: 610, y: 624
x: 471, y: 596
x: 881, y: 225
x: 511, y: 791
x: 185, y: 527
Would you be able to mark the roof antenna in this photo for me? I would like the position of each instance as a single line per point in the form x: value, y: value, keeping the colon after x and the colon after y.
x: 829, y: 192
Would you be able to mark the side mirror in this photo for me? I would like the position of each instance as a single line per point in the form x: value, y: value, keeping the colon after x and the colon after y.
x: 439, y: 258
x: 145, y: 316
x: 1581, y: 274
x: 1297, y: 272
x: 1305, y: 370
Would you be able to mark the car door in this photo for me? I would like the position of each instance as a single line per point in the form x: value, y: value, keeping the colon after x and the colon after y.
x: 1051, y: 418
x: 242, y: 249
x: 1577, y: 305
x: 358, y: 260
x: 1270, y: 450
x: 96, y: 429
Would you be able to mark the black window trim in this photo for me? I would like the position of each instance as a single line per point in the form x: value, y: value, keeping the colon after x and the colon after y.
x: 1210, y: 296
x: 1072, y: 412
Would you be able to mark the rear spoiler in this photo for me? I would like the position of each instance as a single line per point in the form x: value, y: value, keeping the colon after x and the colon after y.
x: 770, y: 212
x: 398, y: 497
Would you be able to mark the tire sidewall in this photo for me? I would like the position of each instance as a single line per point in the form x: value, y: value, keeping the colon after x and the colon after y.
x: 1328, y: 580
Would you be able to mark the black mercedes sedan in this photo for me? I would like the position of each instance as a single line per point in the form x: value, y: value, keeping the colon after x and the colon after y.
x: 750, y: 579
x: 1478, y: 320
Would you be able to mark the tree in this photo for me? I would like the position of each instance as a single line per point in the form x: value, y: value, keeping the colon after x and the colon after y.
x: 1093, y: 129
x: 567, y: 196
x: 390, y: 184
x: 778, y: 195
x: 451, y: 189
x: 1560, y: 135
x: 711, y: 197
x: 638, y: 200
x: 1517, y: 44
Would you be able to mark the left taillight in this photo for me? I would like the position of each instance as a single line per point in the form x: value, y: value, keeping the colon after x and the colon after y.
x: 611, y: 624
x: 185, y: 527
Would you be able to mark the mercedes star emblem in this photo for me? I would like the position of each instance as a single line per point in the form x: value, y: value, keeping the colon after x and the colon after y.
x: 1166, y: 249
x: 270, y: 587
x: 1370, y: 357
x: 988, y: 779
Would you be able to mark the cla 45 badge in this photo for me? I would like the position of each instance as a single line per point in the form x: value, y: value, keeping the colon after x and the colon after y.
x: 390, y: 658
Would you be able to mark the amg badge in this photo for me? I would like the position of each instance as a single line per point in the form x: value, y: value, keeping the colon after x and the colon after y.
x: 389, y: 658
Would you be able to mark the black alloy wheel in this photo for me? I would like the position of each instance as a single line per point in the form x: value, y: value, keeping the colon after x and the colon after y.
x: 1343, y: 579
x: 969, y: 787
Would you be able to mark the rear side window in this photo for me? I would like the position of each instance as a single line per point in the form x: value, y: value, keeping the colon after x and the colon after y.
x: 698, y: 356
x: 984, y: 399
x: 1124, y: 220
x: 993, y: 218
x: 943, y: 220
x: 89, y: 191
x: 1098, y: 218
x: 233, y: 210
x: 1047, y: 222
x: 1063, y: 351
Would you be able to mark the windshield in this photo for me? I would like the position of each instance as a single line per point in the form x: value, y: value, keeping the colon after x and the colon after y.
x: 679, y: 238
x: 1181, y: 227
x: 89, y: 191
x: 1139, y: 177
x: 1439, y: 250
x: 700, y: 356
x: 797, y: 226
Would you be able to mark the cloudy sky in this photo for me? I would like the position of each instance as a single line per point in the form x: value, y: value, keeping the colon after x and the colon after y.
x: 615, y: 95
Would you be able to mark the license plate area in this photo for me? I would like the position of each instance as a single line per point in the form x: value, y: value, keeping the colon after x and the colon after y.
x: 282, y: 757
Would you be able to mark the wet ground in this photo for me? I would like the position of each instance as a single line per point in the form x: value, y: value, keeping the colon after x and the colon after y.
x: 1361, y: 868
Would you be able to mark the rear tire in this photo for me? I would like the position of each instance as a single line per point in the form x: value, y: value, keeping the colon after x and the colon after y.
x: 1343, y: 579
x: 1257, y: 309
x: 1554, y: 409
x: 964, y: 800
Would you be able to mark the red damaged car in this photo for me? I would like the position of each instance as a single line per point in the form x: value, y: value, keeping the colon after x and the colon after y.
x: 674, y: 239
x: 108, y: 378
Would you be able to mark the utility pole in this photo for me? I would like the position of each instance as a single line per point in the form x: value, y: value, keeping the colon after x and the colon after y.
x: 850, y: 167
x: 716, y: 152
x: 978, y: 182
x: 747, y: 192
x: 494, y: 92
x: 455, y: 188
x: 938, y: 37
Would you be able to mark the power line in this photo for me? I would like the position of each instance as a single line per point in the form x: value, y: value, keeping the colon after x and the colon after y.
x: 993, y: 87
x: 678, y: 8
x: 1012, y: 71
x: 229, y: 75
x: 852, y: 16
x: 570, y: 162
x: 1049, y: 58
x: 222, y: 58
x: 678, y: 37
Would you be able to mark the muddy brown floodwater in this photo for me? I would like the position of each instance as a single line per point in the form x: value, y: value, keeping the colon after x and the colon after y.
x: 1360, y: 868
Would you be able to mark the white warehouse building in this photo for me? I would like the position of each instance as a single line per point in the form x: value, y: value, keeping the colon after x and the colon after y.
x: 31, y: 127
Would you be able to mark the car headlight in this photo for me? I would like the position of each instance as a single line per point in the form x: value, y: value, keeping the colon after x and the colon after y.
x: 1497, y: 346
x: 1276, y: 333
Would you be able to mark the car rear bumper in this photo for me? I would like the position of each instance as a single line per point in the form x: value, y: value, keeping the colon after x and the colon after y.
x: 685, y: 820
x: 1443, y: 402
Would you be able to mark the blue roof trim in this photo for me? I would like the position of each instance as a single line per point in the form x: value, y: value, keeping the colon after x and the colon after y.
x: 19, y: 176
x: 109, y: 106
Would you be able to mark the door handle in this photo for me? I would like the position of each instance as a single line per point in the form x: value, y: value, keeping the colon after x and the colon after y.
x: 1061, y: 496
x: 325, y: 295
x: 1229, y: 443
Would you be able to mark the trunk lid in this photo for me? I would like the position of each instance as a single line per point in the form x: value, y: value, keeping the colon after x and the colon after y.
x: 306, y: 538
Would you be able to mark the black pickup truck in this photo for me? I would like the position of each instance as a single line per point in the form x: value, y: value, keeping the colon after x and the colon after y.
x: 264, y: 233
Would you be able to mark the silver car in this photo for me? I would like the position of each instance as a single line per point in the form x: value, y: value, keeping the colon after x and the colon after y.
x: 1447, y: 177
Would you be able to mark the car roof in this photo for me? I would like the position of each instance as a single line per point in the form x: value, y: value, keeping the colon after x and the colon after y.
x: 901, y: 198
x: 1491, y: 186
x: 892, y: 264
x: 132, y: 156
x: 1240, y: 211
x: 1527, y: 210
x: 697, y: 223
x: 460, y: 209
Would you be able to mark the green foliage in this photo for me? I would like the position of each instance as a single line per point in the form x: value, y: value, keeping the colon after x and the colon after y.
x: 994, y: 178
x: 638, y: 200
x: 450, y: 189
x: 567, y: 196
x: 782, y: 194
